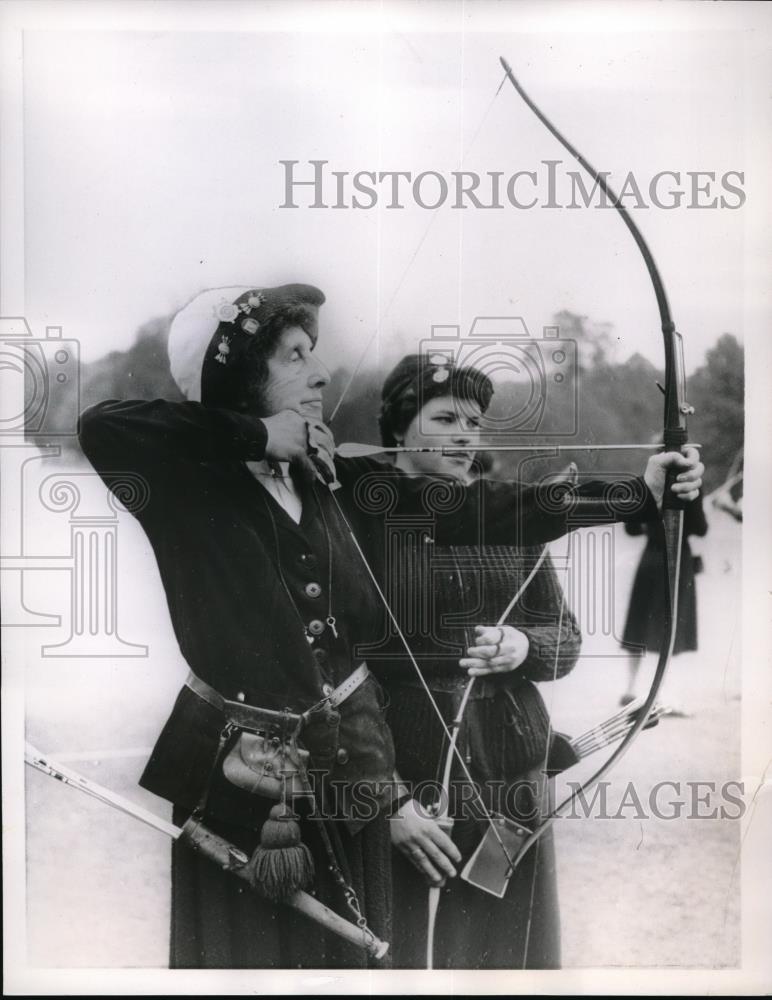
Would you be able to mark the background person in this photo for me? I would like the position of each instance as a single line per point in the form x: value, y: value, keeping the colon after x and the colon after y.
x: 646, y: 615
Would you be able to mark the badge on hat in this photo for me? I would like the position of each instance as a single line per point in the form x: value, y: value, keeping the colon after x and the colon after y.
x: 223, y: 350
x: 226, y: 312
x: 442, y: 364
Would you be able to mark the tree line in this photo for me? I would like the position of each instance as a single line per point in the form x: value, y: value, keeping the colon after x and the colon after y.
x: 613, y: 401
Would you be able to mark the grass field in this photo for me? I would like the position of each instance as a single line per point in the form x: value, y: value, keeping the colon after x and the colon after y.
x: 634, y: 891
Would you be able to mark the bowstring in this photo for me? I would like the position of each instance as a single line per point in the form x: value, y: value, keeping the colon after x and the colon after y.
x: 456, y: 752
x: 545, y: 784
x: 453, y: 751
x: 501, y: 620
x: 376, y: 333
x: 459, y: 715
x: 377, y: 586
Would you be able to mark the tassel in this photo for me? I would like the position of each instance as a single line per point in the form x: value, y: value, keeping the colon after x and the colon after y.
x: 282, y: 863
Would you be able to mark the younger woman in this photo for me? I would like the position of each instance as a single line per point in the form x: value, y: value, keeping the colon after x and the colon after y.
x: 505, y: 731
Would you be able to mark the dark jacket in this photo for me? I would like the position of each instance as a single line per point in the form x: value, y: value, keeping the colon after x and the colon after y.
x: 236, y: 569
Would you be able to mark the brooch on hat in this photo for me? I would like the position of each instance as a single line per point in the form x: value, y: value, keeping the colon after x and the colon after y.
x: 249, y: 324
x: 223, y: 350
x: 442, y: 364
x: 228, y: 312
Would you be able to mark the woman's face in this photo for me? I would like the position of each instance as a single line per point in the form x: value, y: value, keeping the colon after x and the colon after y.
x: 296, y: 377
x: 445, y: 422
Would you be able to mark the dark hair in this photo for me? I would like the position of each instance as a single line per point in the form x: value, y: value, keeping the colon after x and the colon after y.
x: 239, y: 384
x: 417, y: 379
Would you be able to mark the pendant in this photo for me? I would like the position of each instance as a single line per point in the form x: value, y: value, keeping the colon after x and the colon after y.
x: 223, y: 350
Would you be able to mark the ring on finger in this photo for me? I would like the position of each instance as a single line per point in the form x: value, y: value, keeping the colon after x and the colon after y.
x: 498, y: 644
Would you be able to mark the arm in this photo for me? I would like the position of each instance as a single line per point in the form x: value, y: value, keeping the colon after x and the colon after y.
x: 554, y: 639
x: 543, y: 645
x: 490, y: 513
x: 423, y: 842
x: 494, y: 513
x: 134, y: 434
x: 154, y: 437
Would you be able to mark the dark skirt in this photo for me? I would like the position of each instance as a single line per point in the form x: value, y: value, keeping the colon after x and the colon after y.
x: 505, y: 741
x: 218, y: 922
x: 476, y: 930
x: 646, y: 616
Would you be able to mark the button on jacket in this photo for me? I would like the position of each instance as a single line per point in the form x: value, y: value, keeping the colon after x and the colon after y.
x: 247, y: 587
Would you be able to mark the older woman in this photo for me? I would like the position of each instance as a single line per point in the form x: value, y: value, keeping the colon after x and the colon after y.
x: 261, y: 580
x: 277, y: 741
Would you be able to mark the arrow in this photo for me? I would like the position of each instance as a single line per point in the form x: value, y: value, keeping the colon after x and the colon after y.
x: 354, y: 449
x: 196, y: 835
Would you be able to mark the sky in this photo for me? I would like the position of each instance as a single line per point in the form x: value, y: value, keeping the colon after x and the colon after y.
x: 152, y: 151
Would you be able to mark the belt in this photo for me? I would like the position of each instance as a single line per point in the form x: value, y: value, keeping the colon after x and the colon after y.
x: 253, y: 717
x: 346, y: 688
x: 486, y: 687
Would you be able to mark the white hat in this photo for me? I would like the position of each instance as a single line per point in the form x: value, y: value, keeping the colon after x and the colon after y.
x: 191, y: 332
x: 241, y: 310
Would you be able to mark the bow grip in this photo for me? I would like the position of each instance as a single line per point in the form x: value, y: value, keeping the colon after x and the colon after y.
x: 674, y: 440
